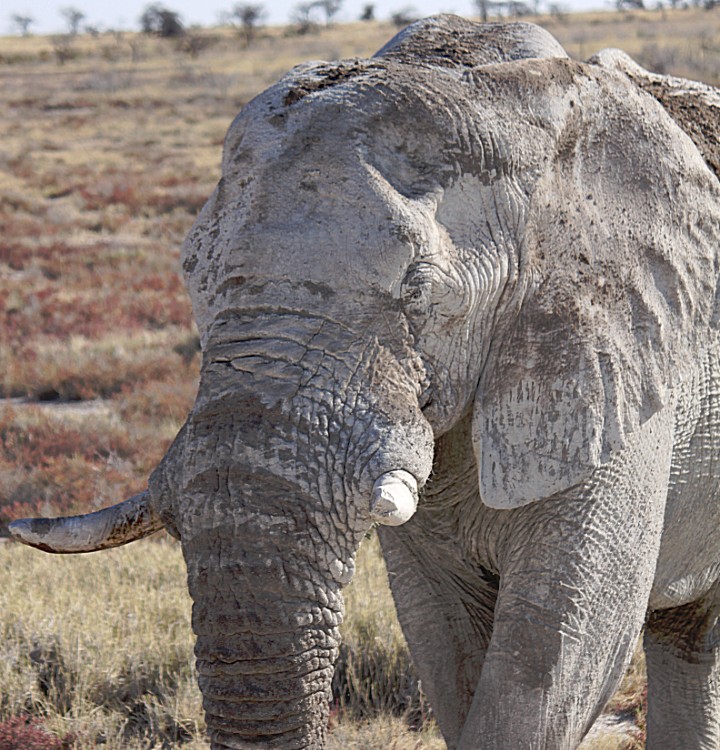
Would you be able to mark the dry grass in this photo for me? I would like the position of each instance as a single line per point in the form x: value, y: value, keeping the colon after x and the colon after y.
x: 375, y: 675
x: 100, y: 647
x: 66, y: 459
x: 383, y: 733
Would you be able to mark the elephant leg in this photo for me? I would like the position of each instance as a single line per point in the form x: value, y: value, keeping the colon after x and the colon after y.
x: 682, y: 649
x: 575, y: 577
x: 445, y: 607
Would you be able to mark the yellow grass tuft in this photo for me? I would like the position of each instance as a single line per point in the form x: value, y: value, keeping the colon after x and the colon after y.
x: 100, y: 646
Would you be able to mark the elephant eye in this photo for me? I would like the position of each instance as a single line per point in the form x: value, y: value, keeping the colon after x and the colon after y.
x: 416, y: 289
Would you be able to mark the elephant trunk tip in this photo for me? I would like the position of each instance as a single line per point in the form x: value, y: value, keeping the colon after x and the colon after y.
x: 126, y: 522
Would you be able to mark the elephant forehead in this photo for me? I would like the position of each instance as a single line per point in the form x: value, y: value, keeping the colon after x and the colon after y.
x: 334, y: 176
x: 322, y: 210
x: 329, y: 218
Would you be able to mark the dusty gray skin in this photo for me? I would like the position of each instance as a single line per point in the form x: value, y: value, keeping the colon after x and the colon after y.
x: 474, y: 269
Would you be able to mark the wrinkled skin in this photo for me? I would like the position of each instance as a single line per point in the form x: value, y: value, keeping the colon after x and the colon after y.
x: 494, y: 269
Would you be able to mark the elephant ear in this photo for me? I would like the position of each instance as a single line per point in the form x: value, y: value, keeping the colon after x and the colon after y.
x: 618, y: 292
x: 694, y: 106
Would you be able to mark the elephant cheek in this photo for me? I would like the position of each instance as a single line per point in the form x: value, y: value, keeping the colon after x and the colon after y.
x: 267, y: 641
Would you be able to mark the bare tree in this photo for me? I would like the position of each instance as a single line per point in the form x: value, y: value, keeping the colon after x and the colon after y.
x: 303, y: 17
x: 482, y: 9
x: 304, y: 14
x: 329, y: 8
x: 249, y: 16
x: 507, y: 8
x: 558, y: 11
x: 73, y: 18
x: 517, y: 9
x: 22, y: 23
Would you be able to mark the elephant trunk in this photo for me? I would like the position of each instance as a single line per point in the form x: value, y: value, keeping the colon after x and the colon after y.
x: 303, y: 434
x: 266, y: 621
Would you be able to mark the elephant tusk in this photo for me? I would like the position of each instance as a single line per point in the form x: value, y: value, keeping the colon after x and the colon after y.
x: 126, y: 522
x: 394, y: 498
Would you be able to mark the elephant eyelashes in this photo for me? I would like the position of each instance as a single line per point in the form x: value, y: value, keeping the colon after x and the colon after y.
x: 429, y: 289
x: 416, y: 291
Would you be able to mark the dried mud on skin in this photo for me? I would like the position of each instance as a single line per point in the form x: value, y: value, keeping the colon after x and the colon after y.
x: 699, y: 120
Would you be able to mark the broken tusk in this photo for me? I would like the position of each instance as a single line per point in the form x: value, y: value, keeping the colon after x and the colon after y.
x: 394, y: 498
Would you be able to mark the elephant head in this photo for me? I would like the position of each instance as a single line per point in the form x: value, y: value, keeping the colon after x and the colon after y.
x: 394, y: 243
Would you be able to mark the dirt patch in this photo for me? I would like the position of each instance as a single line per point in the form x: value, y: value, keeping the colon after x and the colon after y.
x: 454, y: 42
x: 610, y: 725
x: 446, y: 48
x: 67, y: 410
x: 326, y: 76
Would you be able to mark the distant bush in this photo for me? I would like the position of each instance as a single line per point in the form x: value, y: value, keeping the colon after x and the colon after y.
x: 157, y: 19
x: 404, y: 17
x: 249, y: 16
x: 195, y: 42
x: 64, y: 49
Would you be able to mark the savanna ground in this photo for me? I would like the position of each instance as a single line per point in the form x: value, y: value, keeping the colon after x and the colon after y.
x: 108, y: 147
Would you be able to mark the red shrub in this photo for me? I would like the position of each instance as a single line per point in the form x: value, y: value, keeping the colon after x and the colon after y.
x: 25, y: 733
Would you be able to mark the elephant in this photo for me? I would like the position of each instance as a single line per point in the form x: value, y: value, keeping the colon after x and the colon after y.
x: 465, y: 291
